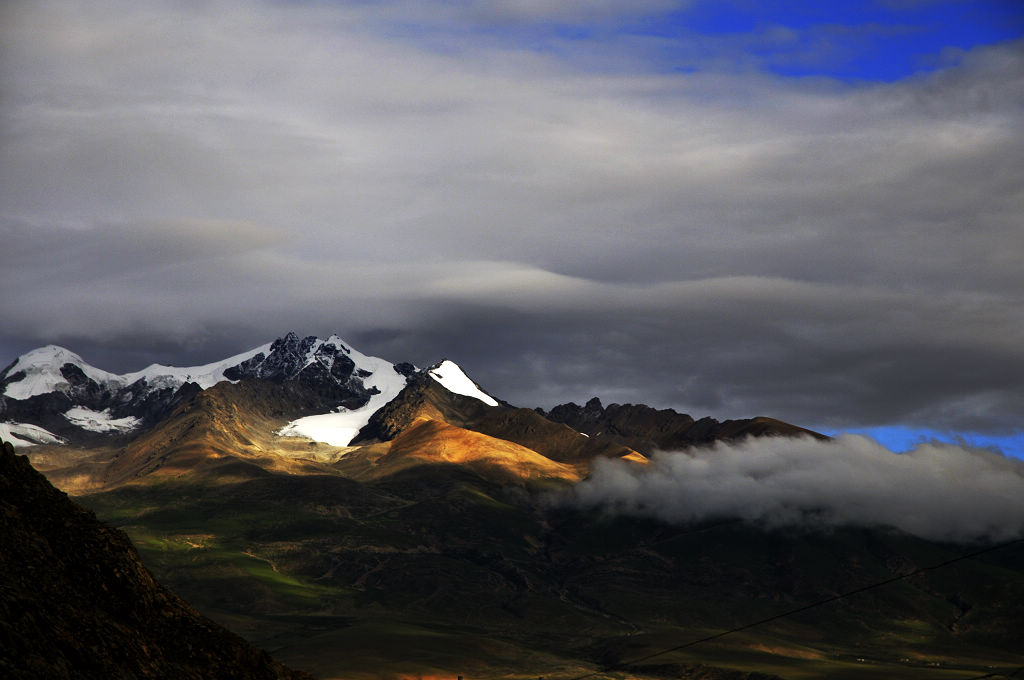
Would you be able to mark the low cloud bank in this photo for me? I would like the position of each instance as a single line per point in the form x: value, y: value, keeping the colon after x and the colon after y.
x: 936, y: 491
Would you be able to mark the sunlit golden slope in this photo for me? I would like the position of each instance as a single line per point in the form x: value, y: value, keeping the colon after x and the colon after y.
x: 425, y: 398
x: 226, y: 430
x: 428, y: 441
x: 229, y: 431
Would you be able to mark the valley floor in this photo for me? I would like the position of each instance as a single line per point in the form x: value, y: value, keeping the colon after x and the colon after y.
x: 436, y: 572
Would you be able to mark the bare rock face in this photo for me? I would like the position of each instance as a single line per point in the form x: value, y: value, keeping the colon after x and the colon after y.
x: 76, y: 602
x: 332, y: 375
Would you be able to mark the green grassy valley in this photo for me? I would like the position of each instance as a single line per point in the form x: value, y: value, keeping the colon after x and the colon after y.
x: 434, y: 571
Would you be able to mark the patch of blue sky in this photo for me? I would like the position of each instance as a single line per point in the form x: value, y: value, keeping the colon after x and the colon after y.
x: 871, y: 40
x: 900, y: 438
x: 854, y: 40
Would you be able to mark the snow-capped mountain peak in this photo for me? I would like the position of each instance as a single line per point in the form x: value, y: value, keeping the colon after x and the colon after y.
x: 454, y: 379
x: 39, y: 371
x: 51, y: 393
x: 43, y: 370
x: 381, y: 379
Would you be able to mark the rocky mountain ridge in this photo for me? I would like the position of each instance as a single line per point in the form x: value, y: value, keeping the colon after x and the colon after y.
x: 299, y: 404
x: 55, y: 389
x: 51, y: 395
x: 647, y: 429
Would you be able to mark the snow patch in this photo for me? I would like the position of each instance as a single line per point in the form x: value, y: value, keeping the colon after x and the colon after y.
x: 342, y: 426
x: 100, y: 421
x: 452, y: 378
x: 23, y: 434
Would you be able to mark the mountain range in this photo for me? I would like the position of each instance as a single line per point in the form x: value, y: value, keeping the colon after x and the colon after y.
x: 363, y: 518
x: 313, y: 400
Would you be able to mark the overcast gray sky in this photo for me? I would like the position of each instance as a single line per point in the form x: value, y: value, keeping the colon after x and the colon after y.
x: 569, y: 199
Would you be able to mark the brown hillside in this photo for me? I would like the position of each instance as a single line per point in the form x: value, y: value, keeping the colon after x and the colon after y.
x: 217, y: 428
x: 423, y: 397
x: 428, y: 441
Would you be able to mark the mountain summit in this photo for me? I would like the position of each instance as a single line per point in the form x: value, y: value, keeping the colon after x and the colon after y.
x: 52, y: 395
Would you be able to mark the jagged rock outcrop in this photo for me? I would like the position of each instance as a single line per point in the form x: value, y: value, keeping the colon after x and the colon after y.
x: 323, y: 367
x: 647, y: 429
x: 76, y: 602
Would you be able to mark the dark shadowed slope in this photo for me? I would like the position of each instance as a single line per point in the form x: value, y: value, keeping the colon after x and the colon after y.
x: 646, y: 429
x: 76, y: 602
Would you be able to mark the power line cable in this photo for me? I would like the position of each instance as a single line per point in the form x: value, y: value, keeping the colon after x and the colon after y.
x: 813, y: 605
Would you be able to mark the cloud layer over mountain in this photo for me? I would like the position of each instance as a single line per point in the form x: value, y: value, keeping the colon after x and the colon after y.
x: 184, y: 181
x: 937, y: 491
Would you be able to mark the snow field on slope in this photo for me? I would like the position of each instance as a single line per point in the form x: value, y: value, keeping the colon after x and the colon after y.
x: 341, y: 427
x: 23, y: 434
x: 450, y: 375
x: 100, y: 421
x: 206, y: 376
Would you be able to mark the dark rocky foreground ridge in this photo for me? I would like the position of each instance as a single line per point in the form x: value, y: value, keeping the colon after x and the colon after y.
x: 76, y: 602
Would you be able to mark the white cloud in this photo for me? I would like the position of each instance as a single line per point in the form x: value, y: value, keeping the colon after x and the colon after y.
x: 937, y: 491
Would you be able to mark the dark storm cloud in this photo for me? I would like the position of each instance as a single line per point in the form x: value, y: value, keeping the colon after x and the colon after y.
x: 182, y: 183
x: 740, y: 347
x: 937, y: 491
